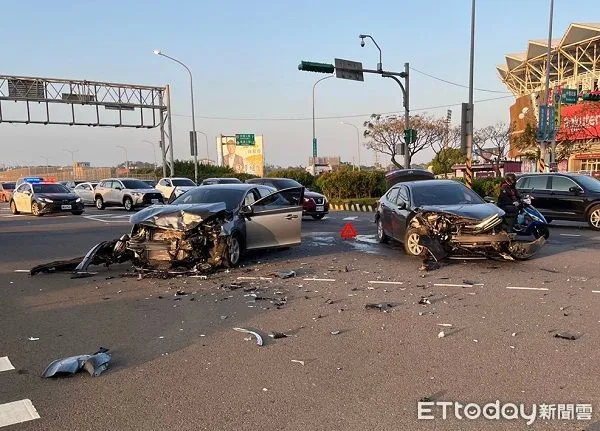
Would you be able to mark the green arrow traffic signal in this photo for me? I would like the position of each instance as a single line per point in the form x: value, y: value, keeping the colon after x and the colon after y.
x: 311, y: 66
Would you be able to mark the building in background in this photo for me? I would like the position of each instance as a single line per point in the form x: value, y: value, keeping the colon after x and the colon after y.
x: 244, y: 153
x: 574, y: 84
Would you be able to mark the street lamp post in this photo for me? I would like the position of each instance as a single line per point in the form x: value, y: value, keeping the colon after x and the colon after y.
x: 206, y: 139
x: 126, y: 158
x: 314, y: 136
x: 72, y: 152
x: 549, y: 120
x: 194, y: 140
x: 47, y: 162
x: 153, y: 153
x: 357, y: 141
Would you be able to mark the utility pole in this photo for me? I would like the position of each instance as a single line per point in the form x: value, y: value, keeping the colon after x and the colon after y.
x: 357, y: 141
x: 47, y: 162
x: 314, y: 134
x: 549, y: 114
x: 126, y: 158
x: 467, y: 120
x: 72, y: 152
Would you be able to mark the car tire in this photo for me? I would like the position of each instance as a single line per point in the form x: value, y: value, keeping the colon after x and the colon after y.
x: 100, y: 203
x: 234, y: 251
x: 128, y: 204
x: 13, y: 208
x: 35, y: 209
x: 382, y: 238
x: 76, y: 212
x: 593, y: 217
x: 318, y: 216
x: 411, y: 243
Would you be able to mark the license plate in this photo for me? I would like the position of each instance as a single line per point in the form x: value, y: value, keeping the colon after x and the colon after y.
x: 320, y: 208
x: 154, y: 201
x: 65, y: 207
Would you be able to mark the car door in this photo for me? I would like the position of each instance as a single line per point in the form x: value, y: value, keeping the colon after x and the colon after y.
x: 386, y: 207
x: 116, y: 192
x: 563, y: 202
x: 275, y: 220
x: 400, y: 213
x: 23, y: 198
x: 538, y: 186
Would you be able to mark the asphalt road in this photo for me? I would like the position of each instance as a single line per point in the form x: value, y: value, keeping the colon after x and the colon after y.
x: 177, y: 363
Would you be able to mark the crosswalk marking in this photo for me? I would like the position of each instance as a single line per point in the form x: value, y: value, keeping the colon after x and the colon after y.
x: 17, y: 412
x: 5, y: 364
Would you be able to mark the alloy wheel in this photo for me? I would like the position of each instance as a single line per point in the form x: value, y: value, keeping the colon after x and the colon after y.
x: 412, y: 243
x: 234, y: 250
x: 595, y: 218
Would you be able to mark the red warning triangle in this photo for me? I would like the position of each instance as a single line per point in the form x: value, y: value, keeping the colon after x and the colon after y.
x: 348, y: 231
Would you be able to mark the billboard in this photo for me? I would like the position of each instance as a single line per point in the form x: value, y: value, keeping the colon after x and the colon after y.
x: 580, y: 122
x: 242, y: 152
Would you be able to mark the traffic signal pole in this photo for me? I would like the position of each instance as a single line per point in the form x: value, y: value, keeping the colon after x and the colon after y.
x: 405, y: 94
x: 469, y: 124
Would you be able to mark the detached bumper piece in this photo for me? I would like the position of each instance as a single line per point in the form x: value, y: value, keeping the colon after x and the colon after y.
x: 94, y: 364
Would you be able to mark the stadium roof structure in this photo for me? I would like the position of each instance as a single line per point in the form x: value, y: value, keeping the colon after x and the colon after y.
x: 573, y: 57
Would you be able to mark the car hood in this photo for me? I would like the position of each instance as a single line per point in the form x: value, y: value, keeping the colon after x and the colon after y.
x: 181, y: 217
x: 57, y: 196
x: 474, y: 212
x: 309, y: 194
x: 141, y: 190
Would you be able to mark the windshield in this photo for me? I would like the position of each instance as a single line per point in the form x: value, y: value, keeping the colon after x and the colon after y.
x: 590, y: 183
x: 287, y: 184
x: 443, y: 194
x: 8, y: 186
x: 50, y: 188
x: 230, y: 197
x: 135, y: 184
x: 183, y: 182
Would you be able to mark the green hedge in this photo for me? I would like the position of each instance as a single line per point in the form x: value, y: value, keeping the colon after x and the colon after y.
x: 185, y: 168
x: 356, y: 201
x: 485, y: 186
x: 346, y: 184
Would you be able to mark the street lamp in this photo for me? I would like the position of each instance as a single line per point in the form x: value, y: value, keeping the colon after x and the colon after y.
x: 195, y: 143
x: 207, y: 153
x: 72, y: 152
x: 153, y: 153
x: 126, y: 158
x: 313, y: 114
x: 357, y: 140
x: 362, y: 43
x: 47, y: 162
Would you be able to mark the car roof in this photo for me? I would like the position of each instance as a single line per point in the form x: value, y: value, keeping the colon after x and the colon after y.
x: 426, y: 183
x: 234, y: 186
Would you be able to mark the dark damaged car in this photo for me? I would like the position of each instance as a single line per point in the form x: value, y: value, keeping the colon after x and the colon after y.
x: 207, y: 227
x: 445, y: 218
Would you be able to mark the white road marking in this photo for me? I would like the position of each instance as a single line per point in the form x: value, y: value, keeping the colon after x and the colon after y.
x: 384, y: 282
x: 22, y: 270
x: 254, y: 278
x: 458, y: 285
x: 569, y: 234
x: 526, y: 288
x: 350, y: 218
x: 5, y: 364
x: 595, y: 291
x: 17, y: 412
x: 318, y: 279
x: 114, y: 220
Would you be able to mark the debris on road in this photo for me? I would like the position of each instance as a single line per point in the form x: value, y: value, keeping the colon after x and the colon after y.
x: 424, y: 301
x: 259, y: 339
x: 296, y: 361
x: 441, y: 334
x: 276, y: 335
x: 446, y: 325
x: 382, y: 306
x: 568, y: 335
x: 335, y: 332
x: 33, y: 338
x: 94, y: 364
x: 286, y: 274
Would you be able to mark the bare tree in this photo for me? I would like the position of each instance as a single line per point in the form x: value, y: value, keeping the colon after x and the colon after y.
x: 492, y: 144
x: 446, y: 155
x: 386, y: 133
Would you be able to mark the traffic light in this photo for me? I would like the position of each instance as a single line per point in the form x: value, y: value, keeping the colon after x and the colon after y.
x: 410, y: 136
x: 311, y: 66
x: 592, y: 96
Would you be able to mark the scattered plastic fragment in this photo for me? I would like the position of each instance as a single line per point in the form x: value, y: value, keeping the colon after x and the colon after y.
x: 259, y: 339
x: 568, y: 335
x: 335, y: 332
x: 441, y: 334
x: 298, y: 362
x: 94, y: 364
x: 33, y: 338
x: 380, y: 306
x: 424, y: 301
x: 446, y: 325
x: 286, y: 274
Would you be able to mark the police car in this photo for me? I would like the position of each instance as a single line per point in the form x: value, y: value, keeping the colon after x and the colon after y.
x: 40, y: 196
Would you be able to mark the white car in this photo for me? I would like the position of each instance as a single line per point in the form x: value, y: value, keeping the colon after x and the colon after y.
x: 86, y: 192
x: 167, y: 185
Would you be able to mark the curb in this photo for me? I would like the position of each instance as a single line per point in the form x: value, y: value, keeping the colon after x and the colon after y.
x: 353, y: 207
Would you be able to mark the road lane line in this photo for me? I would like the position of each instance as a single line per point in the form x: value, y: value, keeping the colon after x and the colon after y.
x: 318, y: 279
x: 458, y: 285
x: 254, y: 278
x: 350, y: 218
x: 595, y: 291
x: 22, y: 270
x: 526, y: 288
x: 569, y: 234
x: 17, y: 412
x: 5, y: 364
x: 384, y: 282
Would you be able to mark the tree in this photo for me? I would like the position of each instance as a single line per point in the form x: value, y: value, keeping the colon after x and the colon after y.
x: 445, y: 159
x: 386, y: 133
x: 492, y: 144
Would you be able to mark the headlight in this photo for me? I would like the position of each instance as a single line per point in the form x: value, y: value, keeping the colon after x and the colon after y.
x: 78, y: 200
x: 46, y: 200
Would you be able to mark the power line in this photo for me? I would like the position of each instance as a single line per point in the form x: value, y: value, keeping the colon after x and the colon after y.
x: 334, y: 117
x: 456, y: 84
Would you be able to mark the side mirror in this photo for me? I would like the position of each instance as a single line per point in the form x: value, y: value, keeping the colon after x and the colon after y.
x: 246, y: 210
x: 401, y: 205
x: 575, y: 189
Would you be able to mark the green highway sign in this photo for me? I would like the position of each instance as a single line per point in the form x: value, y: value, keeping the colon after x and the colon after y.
x: 244, y: 139
x: 569, y: 96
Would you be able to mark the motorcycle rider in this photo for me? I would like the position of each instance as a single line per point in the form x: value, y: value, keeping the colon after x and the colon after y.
x: 509, y: 200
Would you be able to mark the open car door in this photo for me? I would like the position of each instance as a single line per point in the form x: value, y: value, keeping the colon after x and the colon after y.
x: 275, y: 220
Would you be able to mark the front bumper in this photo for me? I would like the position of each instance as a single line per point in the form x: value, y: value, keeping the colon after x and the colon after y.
x: 146, y: 199
x: 312, y: 208
x: 60, y: 206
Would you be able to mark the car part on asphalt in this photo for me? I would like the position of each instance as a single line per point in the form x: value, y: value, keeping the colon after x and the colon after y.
x: 568, y: 335
x: 286, y: 274
x: 276, y: 335
x: 259, y: 340
x: 382, y: 306
x: 94, y: 364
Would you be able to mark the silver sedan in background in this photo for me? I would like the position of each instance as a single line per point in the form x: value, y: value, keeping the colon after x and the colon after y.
x: 86, y: 192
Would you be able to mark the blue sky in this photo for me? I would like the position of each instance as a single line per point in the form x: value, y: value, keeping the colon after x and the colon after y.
x: 244, y: 57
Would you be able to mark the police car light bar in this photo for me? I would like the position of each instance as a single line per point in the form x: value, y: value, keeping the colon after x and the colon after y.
x: 33, y: 180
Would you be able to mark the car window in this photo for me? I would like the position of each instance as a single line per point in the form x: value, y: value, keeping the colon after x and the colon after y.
x: 183, y: 182
x: 392, y: 195
x: 562, y: 184
x: 22, y: 188
x: 80, y: 186
x: 590, y: 183
x: 201, y: 195
x: 538, y: 182
x: 264, y: 191
x: 250, y: 197
x: 523, y: 183
x: 162, y: 182
x: 277, y: 200
x: 403, y: 196
x: 451, y: 193
x: 50, y: 188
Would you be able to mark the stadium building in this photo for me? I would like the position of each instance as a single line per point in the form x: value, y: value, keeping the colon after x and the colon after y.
x: 574, y: 85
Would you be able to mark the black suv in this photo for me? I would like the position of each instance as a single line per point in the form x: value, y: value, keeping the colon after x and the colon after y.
x: 563, y: 196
